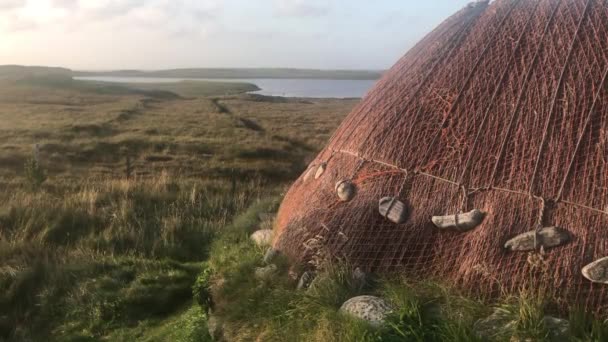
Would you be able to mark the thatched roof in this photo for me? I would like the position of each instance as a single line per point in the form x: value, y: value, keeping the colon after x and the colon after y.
x: 502, y: 108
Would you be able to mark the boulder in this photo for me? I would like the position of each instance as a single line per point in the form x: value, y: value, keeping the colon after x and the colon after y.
x: 369, y: 308
x: 546, y: 237
x: 262, y: 237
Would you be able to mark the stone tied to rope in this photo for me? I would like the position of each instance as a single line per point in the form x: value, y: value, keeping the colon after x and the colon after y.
x: 483, y: 147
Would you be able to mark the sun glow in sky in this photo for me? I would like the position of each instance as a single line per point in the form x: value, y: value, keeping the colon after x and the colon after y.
x: 159, y: 34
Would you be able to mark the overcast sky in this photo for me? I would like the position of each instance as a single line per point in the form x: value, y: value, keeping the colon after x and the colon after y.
x: 161, y: 34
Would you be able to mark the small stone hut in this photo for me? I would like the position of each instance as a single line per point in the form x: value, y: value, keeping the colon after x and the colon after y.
x: 501, y: 113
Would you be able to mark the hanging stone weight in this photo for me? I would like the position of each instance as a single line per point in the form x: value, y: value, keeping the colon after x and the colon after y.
x: 320, y: 170
x: 393, y: 209
x: 308, y: 173
x: 345, y: 190
x: 597, y: 271
x: 546, y: 237
x: 462, y: 222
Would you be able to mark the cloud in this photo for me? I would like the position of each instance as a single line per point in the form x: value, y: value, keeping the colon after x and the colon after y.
x: 6, y: 5
x: 170, y: 16
x: 300, y: 8
x: 71, y: 4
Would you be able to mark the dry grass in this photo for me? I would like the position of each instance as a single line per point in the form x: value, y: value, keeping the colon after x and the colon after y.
x: 93, y: 254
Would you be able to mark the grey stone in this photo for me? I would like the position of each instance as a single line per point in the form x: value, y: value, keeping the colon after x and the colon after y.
x: 214, y: 326
x: 262, y: 237
x: 266, y: 216
x: 320, y: 170
x: 360, y: 278
x: 597, y: 271
x: 558, y: 329
x: 305, y: 280
x: 369, y: 308
x: 265, y: 273
x: 345, y: 190
x: 393, y: 209
x: 462, y: 222
x: 271, y: 253
x: 547, y: 237
x: 499, y: 324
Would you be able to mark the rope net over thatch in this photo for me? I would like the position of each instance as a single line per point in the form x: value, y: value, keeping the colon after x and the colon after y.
x: 502, y: 108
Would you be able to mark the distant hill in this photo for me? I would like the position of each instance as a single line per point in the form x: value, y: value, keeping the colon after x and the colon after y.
x: 243, y: 73
x: 20, y: 72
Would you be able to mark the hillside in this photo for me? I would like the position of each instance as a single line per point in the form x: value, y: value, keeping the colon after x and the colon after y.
x: 243, y: 73
x: 102, y: 238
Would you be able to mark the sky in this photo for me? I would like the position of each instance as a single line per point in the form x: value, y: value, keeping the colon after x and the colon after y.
x: 165, y: 34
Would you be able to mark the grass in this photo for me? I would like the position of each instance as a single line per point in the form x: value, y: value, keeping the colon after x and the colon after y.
x: 134, y: 223
x: 90, y: 251
x: 273, y: 310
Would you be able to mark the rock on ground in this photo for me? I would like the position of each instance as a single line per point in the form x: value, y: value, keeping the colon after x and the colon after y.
x: 262, y: 237
x: 502, y: 323
x: 369, y: 308
x: 214, y: 326
x: 265, y: 273
x: 499, y: 323
x: 558, y: 329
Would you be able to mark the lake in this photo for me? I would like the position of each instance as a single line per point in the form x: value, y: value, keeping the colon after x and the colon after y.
x: 314, y: 88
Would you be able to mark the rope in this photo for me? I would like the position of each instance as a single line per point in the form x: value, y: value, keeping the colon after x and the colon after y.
x: 451, y: 182
x: 426, y: 78
x: 503, y: 78
x: 580, y: 138
x: 543, y: 142
x: 466, y: 83
x: 520, y: 97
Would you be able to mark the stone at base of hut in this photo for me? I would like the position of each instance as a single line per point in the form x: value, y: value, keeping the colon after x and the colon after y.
x: 305, y: 280
x: 393, y: 209
x: 547, y: 237
x: 270, y: 255
x: 502, y: 323
x: 597, y: 271
x: 214, y: 326
x: 262, y: 237
x: 360, y: 278
x: 462, y: 222
x: 266, y: 216
x: 265, y: 273
x: 499, y: 324
x: 372, y: 309
x: 558, y: 329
